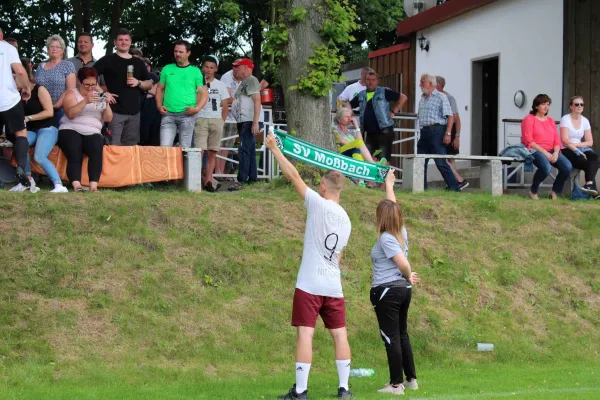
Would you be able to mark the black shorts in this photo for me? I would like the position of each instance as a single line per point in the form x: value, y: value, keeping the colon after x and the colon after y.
x: 449, y: 148
x: 13, y: 119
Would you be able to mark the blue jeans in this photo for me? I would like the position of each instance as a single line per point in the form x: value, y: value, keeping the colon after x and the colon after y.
x: 431, y: 142
x: 173, y: 123
x: 247, y: 171
x: 563, y: 165
x: 44, y: 140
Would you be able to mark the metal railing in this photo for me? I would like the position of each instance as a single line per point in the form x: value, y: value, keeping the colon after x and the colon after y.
x: 266, y: 166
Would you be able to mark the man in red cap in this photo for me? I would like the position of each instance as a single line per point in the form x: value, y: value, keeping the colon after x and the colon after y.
x: 246, y: 111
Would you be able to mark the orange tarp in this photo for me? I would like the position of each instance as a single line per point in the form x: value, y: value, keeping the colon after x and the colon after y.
x: 124, y: 165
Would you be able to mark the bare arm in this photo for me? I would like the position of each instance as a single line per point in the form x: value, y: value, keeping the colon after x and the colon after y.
x: 201, y: 97
x: 22, y: 80
x: 146, y: 85
x: 224, y: 110
x: 286, y: 166
x: 389, y: 186
x: 70, y: 82
x: 400, y: 104
x: 588, y: 140
x: 46, y: 102
x: 72, y: 107
x: 564, y: 135
x: 457, y: 123
x: 107, y: 114
x: 256, y: 117
x: 160, y: 94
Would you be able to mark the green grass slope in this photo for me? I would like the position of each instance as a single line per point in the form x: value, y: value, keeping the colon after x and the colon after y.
x: 173, y: 281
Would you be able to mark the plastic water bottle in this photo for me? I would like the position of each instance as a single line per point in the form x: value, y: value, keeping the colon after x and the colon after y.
x: 362, y: 372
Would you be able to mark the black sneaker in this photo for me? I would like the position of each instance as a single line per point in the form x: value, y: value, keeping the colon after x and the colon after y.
x: 210, y: 187
x: 292, y: 394
x: 463, y: 185
x: 344, y: 394
x: 22, y: 177
x: 589, y: 189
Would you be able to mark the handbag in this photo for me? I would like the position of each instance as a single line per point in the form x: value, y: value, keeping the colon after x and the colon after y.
x: 106, y: 135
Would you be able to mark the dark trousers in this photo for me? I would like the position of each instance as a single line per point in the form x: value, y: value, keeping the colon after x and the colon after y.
x: 563, y: 165
x: 247, y: 171
x: 380, y: 140
x: 431, y: 142
x: 391, y: 307
x: 149, y: 123
x: 75, y: 145
x: 588, y: 164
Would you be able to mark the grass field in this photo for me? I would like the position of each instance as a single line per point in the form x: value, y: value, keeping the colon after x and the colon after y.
x: 170, y: 295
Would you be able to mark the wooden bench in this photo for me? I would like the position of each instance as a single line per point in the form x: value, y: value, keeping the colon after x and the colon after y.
x: 413, y: 170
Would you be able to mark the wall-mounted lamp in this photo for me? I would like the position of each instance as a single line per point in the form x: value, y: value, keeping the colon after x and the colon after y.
x: 423, y: 43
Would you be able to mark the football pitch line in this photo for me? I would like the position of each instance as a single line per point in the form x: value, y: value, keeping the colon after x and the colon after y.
x: 510, y: 394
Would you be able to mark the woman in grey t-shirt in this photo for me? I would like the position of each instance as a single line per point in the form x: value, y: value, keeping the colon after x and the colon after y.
x: 391, y: 290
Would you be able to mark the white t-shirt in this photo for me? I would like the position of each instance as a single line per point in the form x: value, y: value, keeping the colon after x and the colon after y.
x: 327, y: 232
x: 243, y: 103
x: 216, y: 94
x: 575, y: 135
x: 9, y: 95
x: 351, y: 91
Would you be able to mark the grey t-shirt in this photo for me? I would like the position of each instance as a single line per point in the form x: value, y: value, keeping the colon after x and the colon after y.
x: 453, y: 104
x: 243, y: 105
x: 385, y: 269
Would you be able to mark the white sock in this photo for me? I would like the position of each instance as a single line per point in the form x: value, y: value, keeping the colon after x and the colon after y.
x: 343, y: 367
x: 302, y: 370
x: 31, y: 181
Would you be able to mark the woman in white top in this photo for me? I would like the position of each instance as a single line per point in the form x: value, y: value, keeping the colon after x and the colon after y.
x: 80, y: 129
x: 576, y: 135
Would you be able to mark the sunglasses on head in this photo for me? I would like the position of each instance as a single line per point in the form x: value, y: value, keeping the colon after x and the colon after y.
x: 578, y: 104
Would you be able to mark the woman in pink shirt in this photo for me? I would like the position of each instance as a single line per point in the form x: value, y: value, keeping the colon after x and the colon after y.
x: 539, y: 133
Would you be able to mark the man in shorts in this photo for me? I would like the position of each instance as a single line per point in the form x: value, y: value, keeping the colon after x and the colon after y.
x: 12, y: 113
x: 319, y: 286
x: 208, y: 130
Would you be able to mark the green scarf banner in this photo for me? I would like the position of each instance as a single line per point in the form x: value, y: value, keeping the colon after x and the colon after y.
x: 314, y: 155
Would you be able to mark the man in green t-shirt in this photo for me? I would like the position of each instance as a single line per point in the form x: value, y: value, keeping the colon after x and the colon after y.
x: 179, y: 97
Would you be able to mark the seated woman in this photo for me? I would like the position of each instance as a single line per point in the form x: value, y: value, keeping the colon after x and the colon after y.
x: 347, y: 136
x: 576, y: 135
x: 538, y: 132
x: 39, y: 114
x: 80, y: 129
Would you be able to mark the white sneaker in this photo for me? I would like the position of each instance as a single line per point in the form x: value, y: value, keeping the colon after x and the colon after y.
x: 34, y: 189
x: 392, y: 390
x: 18, y: 188
x: 60, y: 189
x: 411, y: 384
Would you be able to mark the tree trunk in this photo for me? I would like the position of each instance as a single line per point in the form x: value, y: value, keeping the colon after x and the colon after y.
x: 115, y: 21
x: 307, y: 116
x: 87, y: 12
x: 257, y: 38
x: 78, y: 16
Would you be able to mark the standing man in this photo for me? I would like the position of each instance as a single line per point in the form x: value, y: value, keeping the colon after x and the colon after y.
x: 246, y: 111
x: 454, y: 146
x: 179, y: 97
x: 125, y: 76
x: 211, y: 120
x: 319, y: 286
x: 435, y: 120
x: 12, y: 113
x: 375, y: 115
x: 84, y: 58
x: 351, y: 91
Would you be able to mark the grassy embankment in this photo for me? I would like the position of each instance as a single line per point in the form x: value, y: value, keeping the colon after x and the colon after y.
x: 173, y: 295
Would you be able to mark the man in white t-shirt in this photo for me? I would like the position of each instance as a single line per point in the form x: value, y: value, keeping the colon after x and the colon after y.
x: 319, y: 287
x: 354, y: 89
x: 211, y: 120
x: 12, y: 113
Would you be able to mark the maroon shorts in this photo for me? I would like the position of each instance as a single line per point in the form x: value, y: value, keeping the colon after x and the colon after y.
x: 307, y: 307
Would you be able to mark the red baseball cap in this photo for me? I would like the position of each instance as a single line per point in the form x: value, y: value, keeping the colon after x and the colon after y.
x: 244, y: 61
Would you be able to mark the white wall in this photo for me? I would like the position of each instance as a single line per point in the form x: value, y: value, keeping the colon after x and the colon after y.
x: 526, y: 35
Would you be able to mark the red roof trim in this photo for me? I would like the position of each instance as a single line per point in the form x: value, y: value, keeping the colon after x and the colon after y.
x: 388, y: 50
x: 437, y: 14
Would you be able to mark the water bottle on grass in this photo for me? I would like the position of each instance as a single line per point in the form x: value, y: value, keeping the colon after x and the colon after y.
x: 362, y: 372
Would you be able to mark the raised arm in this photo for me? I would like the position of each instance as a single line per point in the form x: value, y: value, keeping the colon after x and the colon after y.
x: 389, y: 186
x: 286, y: 166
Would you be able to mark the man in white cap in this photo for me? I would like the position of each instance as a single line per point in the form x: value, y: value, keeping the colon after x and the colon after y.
x: 208, y: 130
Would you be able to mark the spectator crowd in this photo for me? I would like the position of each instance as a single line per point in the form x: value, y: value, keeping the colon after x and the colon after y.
x: 81, y: 104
